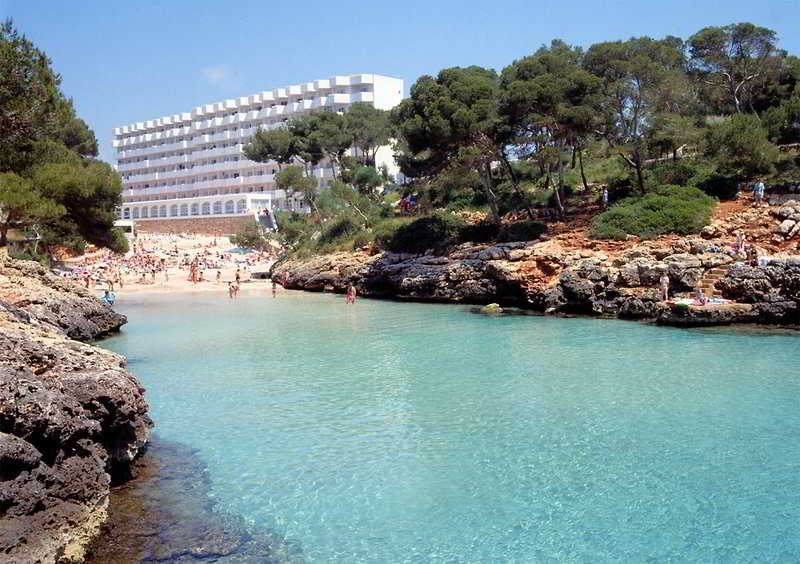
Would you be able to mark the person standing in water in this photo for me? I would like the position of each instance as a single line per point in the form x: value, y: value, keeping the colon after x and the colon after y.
x: 351, y: 295
x: 274, y: 289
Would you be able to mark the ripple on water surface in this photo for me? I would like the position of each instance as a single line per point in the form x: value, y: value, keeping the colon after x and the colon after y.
x: 391, y: 432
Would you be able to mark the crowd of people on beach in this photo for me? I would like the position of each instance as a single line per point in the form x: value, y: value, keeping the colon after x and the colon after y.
x: 153, y: 258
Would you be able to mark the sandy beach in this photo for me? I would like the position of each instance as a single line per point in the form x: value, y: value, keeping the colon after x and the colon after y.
x: 161, y: 264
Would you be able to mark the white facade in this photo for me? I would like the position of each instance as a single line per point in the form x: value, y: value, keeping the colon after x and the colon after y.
x: 192, y: 165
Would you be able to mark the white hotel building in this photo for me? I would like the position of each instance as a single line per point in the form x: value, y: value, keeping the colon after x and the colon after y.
x: 191, y: 165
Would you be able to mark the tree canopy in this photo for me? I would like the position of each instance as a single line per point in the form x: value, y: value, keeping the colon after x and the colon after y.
x: 50, y: 179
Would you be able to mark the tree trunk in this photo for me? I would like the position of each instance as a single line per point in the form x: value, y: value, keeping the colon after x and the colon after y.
x: 558, y: 189
x: 547, y: 178
x: 515, y: 185
x: 583, y: 175
x: 639, y: 173
x: 486, y: 182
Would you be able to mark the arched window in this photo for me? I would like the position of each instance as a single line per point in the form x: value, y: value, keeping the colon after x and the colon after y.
x: 229, y: 206
x: 217, y: 208
x: 162, y: 212
x: 126, y: 213
x: 241, y: 206
x: 154, y: 211
x: 144, y: 211
x: 195, y: 209
x: 184, y: 210
x: 135, y: 213
x: 206, y: 208
x: 173, y: 210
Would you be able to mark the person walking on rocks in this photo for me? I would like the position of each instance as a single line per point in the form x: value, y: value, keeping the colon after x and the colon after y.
x: 605, y: 197
x: 664, y: 282
x: 758, y: 192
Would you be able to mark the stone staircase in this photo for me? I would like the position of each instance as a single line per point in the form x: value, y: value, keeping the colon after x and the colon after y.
x: 709, y: 281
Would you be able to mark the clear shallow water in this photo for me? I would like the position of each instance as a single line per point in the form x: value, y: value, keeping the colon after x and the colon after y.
x: 394, y: 432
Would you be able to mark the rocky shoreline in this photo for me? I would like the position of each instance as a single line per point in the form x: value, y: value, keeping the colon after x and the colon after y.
x: 543, y: 276
x: 72, y: 418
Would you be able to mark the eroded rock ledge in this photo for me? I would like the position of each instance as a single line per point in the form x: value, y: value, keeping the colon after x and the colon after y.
x: 545, y: 277
x: 72, y: 418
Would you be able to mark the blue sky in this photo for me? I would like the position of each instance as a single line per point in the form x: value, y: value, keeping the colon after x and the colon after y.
x: 126, y: 61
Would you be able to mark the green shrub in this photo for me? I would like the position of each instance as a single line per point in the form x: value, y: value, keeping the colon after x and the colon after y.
x: 249, y: 237
x: 667, y: 209
x: 512, y: 200
x: 428, y: 232
x: 481, y: 232
x: 722, y: 186
x: 678, y: 173
x: 523, y: 231
x: 620, y: 188
x: 340, y: 228
x: 361, y: 239
x: 699, y: 173
x: 384, y: 230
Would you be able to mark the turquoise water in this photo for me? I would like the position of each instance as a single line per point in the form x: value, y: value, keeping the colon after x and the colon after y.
x: 395, y: 432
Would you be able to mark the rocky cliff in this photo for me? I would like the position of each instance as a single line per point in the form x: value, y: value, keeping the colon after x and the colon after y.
x: 544, y: 276
x: 72, y: 418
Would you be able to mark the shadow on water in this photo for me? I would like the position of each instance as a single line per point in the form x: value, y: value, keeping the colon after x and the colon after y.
x: 165, y: 514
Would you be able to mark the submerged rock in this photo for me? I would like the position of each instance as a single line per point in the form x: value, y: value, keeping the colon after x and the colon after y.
x: 165, y: 514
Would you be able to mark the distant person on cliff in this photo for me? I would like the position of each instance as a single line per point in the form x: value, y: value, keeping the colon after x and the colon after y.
x: 741, y: 240
x: 664, y: 282
x: 700, y: 297
x: 752, y: 255
x: 604, y: 197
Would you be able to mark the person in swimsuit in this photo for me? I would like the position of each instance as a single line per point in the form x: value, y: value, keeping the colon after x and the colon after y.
x: 664, y: 282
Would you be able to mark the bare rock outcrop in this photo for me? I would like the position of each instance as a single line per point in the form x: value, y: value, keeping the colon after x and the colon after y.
x: 72, y: 418
x: 542, y: 276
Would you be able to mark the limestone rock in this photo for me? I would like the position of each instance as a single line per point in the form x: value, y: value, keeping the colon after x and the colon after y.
x: 71, y: 416
x: 549, y: 278
x: 709, y: 232
x: 786, y: 226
